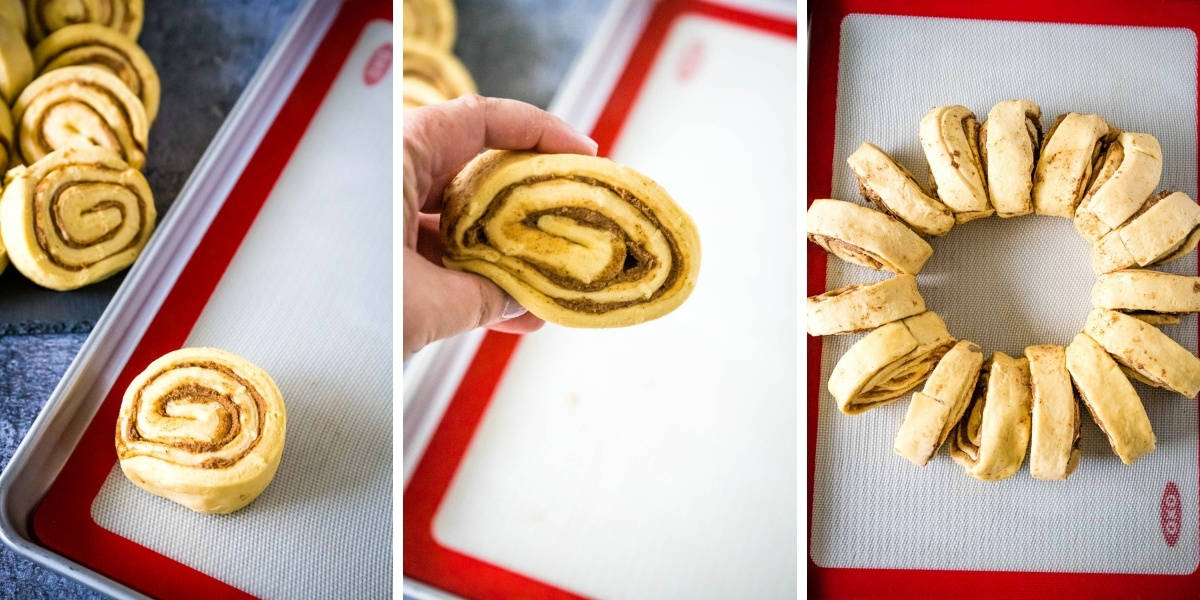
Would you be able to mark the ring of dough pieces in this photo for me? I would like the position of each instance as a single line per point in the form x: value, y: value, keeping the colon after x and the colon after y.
x: 888, y: 362
x: 202, y: 427
x: 937, y: 408
x: 1153, y: 296
x: 1054, y: 434
x: 16, y: 62
x: 577, y: 240
x: 990, y: 442
x: 13, y: 11
x: 950, y: 138
x: 864, y: 306
x: 1070, y: 152
x: 891, y: 187
x: 99, y: 46
x: 1144, y: 349
x: 866, y: 237
x: 1110, y: 398
x: 1166, y: 228
x: 1129, y: 172
x: 75, y: 217
x: 432, y: 75
x: 1009, y: 142
x: 430, y: 21
x: 64, y: 105
x: 48, y: 16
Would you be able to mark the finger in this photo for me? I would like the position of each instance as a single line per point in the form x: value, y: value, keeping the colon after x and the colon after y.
x: 439, y: 303
x: 526, y: 323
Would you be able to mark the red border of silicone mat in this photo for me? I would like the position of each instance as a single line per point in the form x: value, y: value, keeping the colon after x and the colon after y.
x: 63, y: 521
x: 822, y: 108
x: 425, y: 559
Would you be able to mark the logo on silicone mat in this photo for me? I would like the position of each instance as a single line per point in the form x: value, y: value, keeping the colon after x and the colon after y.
x: 1171, y: 514
x: 689, y: 63
x: 378, y: 65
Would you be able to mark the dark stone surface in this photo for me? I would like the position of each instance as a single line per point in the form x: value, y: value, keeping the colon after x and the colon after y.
x: 205, y: 52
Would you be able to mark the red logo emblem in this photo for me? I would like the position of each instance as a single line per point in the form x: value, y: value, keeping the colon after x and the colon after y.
x: 378, y: 65
x: 1171, y: 514
x: 690, y: 61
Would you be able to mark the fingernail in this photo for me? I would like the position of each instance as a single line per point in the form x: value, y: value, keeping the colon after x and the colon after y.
x: 512, y: 309
x: 587, y: 140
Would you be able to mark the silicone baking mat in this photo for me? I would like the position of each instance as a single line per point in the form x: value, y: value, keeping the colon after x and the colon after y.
x: 876, y: 521
x: 290, y: 275
x: 655, y: 461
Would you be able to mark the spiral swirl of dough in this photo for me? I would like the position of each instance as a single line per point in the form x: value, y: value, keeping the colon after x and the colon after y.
x: 99, y: 46
x: 48, y: 16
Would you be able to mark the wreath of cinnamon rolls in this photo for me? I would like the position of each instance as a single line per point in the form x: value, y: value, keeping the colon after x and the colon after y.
x: 74, y: 208
x: 991, y: 412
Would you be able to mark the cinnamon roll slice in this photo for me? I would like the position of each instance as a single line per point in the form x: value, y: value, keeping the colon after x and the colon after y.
x: 864, y: 306
x: 990, y: 442
x: 892, y: 188
x: 9, y: 156
x: 75, y: 217
x: 578, y: 240
x: 1155, y: 297
x: 48, y: 16
x: 937, y: 408
x: 1054, y: 439
x: 860, y: 235
x: 81, y: 104
x: 202, y: 427
x: 950, y: 137
x: 1128, y: 173
x: 1009, y: 142
x: 888, y: 362
x: 432, y: 75
x: 1147, y: 351
x: 1164, y: 229
x: 99, y: 46
x: 13, y: 11
x: 16, y: 63
x: 430, y: 21
x: 1070, y: 153
x: 1110, y: 398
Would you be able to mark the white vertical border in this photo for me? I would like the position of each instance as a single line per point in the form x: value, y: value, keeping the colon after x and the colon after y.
x: 397, y: 300
x: 801, y: 296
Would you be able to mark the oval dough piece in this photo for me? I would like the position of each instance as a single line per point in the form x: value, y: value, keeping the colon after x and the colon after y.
x: 1054, y: 434
x: 1129, y: 172
x: 432, y: 75
x: 950, y: 137
x: 1155, y: 297
x: 888, y: 362
x: 866, y: 237
x: 430, y: 21
x: 863, y: 306
x: 202, y: 427
x: 1146, y: 350
x: 990, y: 442
x: 1110, y: 398
x: 48, y: 16
x: 939, y: 406
x: 893, y: 189
x: 1070, y: 152
x: 16, y: 62
x: 1010, y: 139
x: 1166, y: 228
x: 98, y: 46
x: 13, y: 11
x: 578, y: 240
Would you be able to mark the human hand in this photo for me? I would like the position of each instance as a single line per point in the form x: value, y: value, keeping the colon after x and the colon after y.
x: 439, y: 141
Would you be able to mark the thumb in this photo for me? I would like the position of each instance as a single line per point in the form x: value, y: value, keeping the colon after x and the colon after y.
x: 439, y: 303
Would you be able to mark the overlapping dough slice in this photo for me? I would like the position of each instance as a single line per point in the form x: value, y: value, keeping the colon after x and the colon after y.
x: 1156, y: 358
x: 1165, y: 228
x: 81, y: 103
x: 1110, y: 398
x: 950, y: 137
x: 864, y: 306
x: 990, y: 442
x: 48, y: 16
x: 13, y: 11
x: 577, y: 240
x: 937, y: 408
x: 1009, y: 142
x: 432, y: 75
x: 890, y: 186
x: 1128, y: 174
x: 16, y: 62
x: 100, y: 46
x: 1155, y: 297
x: 1071, y: 151
x: 866, y: 237
x: 430, y: 21
x: 75, y: 217
x: 1054, y: 433
x: 9, y: 155
x: 202, y: 427
x: 888, y: 362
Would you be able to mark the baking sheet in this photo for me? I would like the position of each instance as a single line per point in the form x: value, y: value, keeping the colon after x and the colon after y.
x: 1005, y: 284
x: 654, y: 461
x: 308, y: 298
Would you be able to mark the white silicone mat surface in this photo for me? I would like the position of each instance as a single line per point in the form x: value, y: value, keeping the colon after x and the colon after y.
x: 659, y: 461
x: 308, y: 298
x: 1005, y: 284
